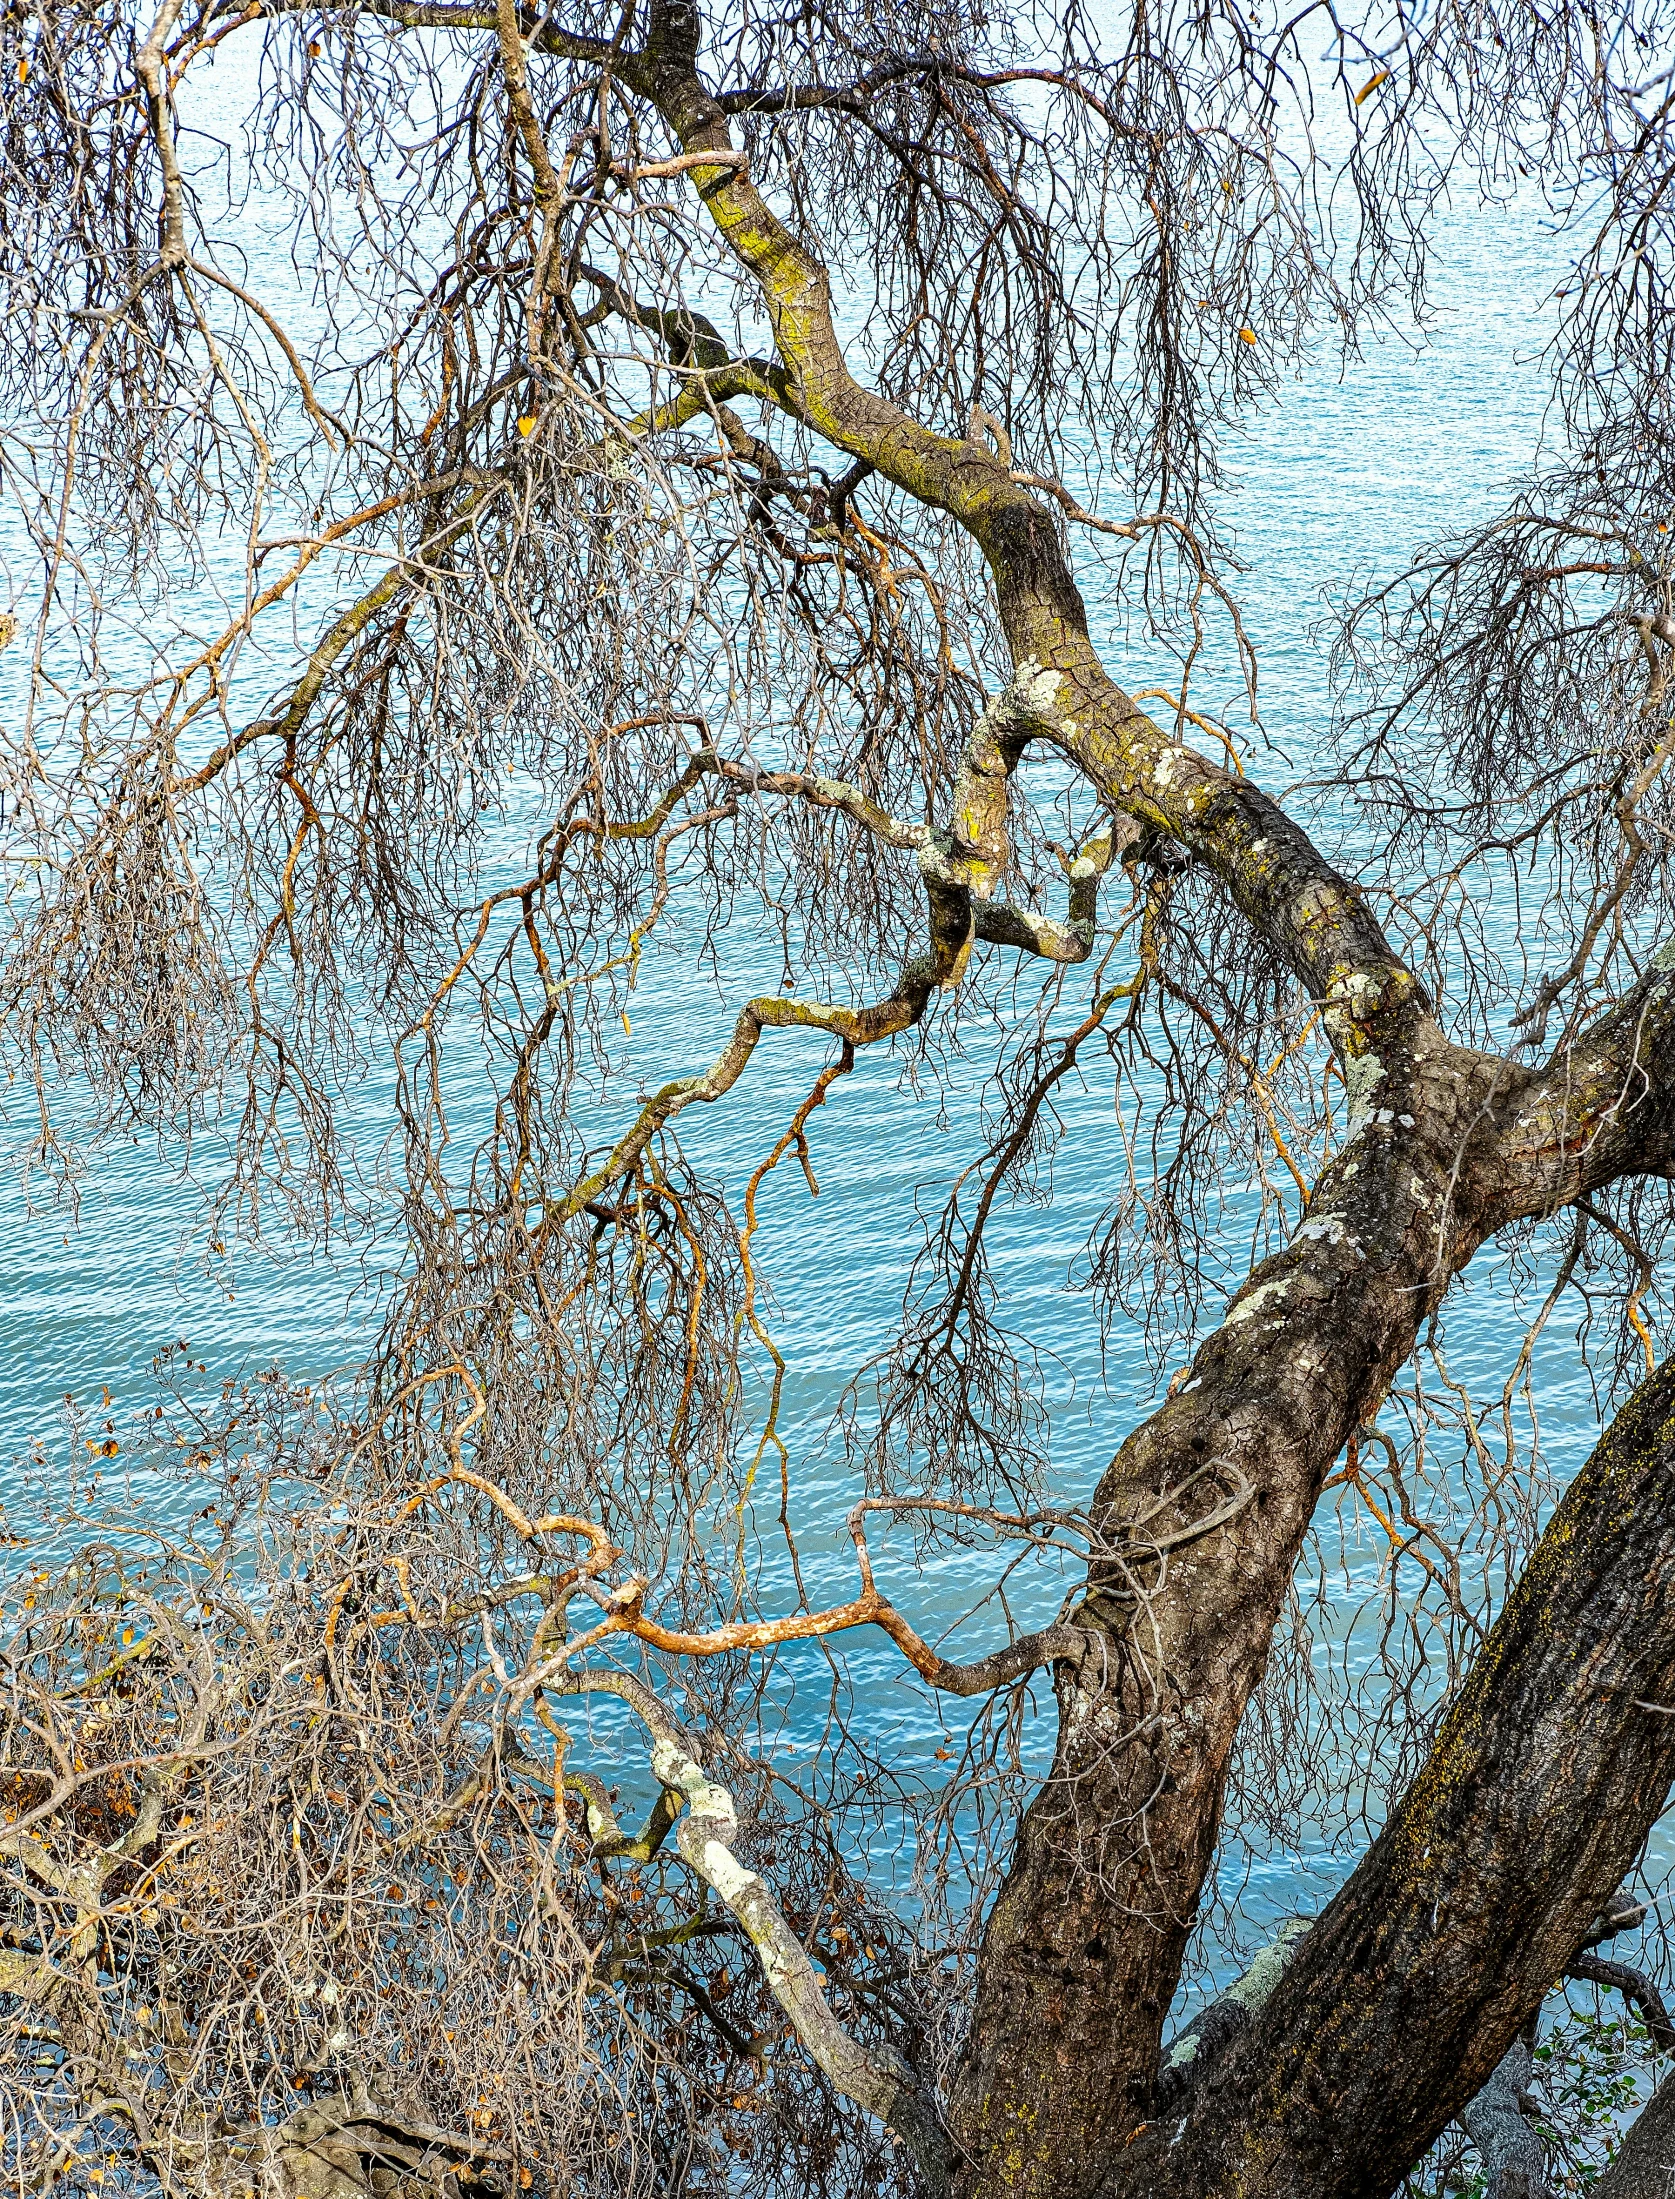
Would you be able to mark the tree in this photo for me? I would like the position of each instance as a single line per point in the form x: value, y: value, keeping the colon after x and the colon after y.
x: 692, y: 412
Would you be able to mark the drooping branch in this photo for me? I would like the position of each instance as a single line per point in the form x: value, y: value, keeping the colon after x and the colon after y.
x: 1311, y: 1342
x: 1155, y: 1668
x: 1636, y: 1988
x: 706, y: 1833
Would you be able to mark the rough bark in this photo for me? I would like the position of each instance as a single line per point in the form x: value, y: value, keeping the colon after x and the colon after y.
x: 1202, y: 1513
x: 1513, y: 2158
x: 1085, y: 1943
x: 1086, y: 1939
x: 1645, y: 2168
x: 1199, y: 2045
x: 1548, y: 1772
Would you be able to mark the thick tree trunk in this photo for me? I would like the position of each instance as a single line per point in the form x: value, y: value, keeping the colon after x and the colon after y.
x: 1645, y: 2168
x: 1084, y: 1946
x: 1549, y: 1770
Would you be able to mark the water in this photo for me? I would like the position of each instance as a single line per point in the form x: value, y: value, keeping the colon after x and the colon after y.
x: 1345, y: 472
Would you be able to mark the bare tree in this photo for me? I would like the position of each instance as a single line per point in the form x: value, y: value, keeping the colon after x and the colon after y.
x: 691, y: 414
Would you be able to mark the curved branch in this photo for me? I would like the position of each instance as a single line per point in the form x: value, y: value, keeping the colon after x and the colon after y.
x: 875, y: 2078
x: 959, y: 867
x: 1636, y: 1987
x: 625, y: 1612
x: 1603, y: 1107
x: 1307, y: 911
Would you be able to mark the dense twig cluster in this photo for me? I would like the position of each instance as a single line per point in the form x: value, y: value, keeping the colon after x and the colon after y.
x: 301, y: 1875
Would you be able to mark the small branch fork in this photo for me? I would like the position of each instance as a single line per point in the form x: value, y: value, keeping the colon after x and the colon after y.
x: 1371, y: 1006
x: 1624, y: 1914
x: 959, y: 867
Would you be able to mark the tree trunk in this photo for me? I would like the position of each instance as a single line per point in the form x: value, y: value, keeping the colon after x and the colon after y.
x: 1513, y: 2157
x: 1205, y: 1508
x: 1084, y: 1946
x: 1548, y: 1773
x: 1645, y: 2168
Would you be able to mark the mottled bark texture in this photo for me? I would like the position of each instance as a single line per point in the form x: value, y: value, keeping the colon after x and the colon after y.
x: 1548, y: 1772
x: 1404, y: 1998
x: 1513, y: 2158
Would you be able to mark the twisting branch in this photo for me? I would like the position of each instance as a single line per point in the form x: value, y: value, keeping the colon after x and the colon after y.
x: 959, y: 868
x: 705, y: 1836
x: 1636, y: 1988
x: 625, y: 1613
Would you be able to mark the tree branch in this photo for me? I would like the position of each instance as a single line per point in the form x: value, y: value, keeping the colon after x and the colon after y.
x: 873, y: 2077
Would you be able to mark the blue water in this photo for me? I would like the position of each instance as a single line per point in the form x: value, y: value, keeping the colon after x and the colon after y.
x: 1350, y: 470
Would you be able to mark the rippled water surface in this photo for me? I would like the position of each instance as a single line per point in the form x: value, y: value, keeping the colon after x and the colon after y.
x: 1347, y: 472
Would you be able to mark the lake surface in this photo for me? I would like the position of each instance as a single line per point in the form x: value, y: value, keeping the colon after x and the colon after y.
x: 1344, y: 473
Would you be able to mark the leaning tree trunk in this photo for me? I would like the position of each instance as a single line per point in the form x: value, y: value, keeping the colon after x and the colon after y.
x: 1084, y: 1950
x: 1549, y: 1770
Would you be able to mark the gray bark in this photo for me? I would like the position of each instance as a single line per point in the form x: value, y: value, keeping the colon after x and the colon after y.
x: 1513, y: 2157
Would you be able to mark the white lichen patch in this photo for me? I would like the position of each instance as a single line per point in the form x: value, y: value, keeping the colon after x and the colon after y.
x: 726, y: 1873
x: 672, y: 1767
x: 1364, y: 993
x: 1036, y: 686
x: 1363, y: 1074
x: 1328, y: 1229
x: 1387, y: 1120
x: 1269, y: 1967
x: 1263, y: 1296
